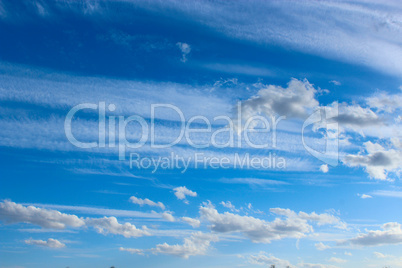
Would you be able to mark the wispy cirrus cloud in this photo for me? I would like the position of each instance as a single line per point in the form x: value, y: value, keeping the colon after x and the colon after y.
x: 100, y: 211
x: 378, y: 162
x: 294, y: 24
x: 242, y: 69
x: 387, y: 193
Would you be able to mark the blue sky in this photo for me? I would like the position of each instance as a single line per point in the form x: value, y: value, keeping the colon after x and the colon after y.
x: 328, y: 73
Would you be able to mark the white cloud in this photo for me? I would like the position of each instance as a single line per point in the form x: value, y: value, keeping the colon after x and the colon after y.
x: 335, y: 82
x: 320, y: 219
x: 185, y: 50
x: 391, y: 233
x: 182, y: 191
x: 321, y: 246
x: 193, y: 222
x: 348, y: 253
x: 365, y: 196
x: 298, y: 100
x: 294, y: 101
x: 324, y: 168
x: 41, y: 9
x: 293, y: 25
x: 268, y: 259
x: 240, y: 69
x: 255, y: 229
x: 50, y: 243
x: 107, y: 225
x: 146, y: 201
x: 11, y: 212
x: 384, y: 193
x: 60, y: 90
x: 168, y: 216
x: 337, y: 260
x: 354, y: 117
x: 378, y: 162
x: 385, y: 102
x: 197, y: 244
x: 229, y: 205
x: 102, y: 211
x: 3, y: 13
x: 261, y: 231
x: 132, y: 250
x: 381, y: 256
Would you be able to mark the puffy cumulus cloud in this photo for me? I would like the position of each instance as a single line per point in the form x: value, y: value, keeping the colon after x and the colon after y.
x: 268, y: 259
x: 385, y: 102
x: 255, y: 229
x: 378, y: 162
x: 181, y: 193
x: 146, y: 201
x: 193, y: 222
x: 391, y: 233
x: 351, y: 118
x: 356, y: 117
x: 321, y: 246
x: 168, y: 216
x: 185, y: 50
x: 197, y: 244
x: 107, y: 225
x: 229, y: 205
x: 11, y: 212
x: 261, y: 231
x: 296, y: 100
x: 320, y: 219
x: 50, y: 243
x: 132, y: 250
x: 324, y: 168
